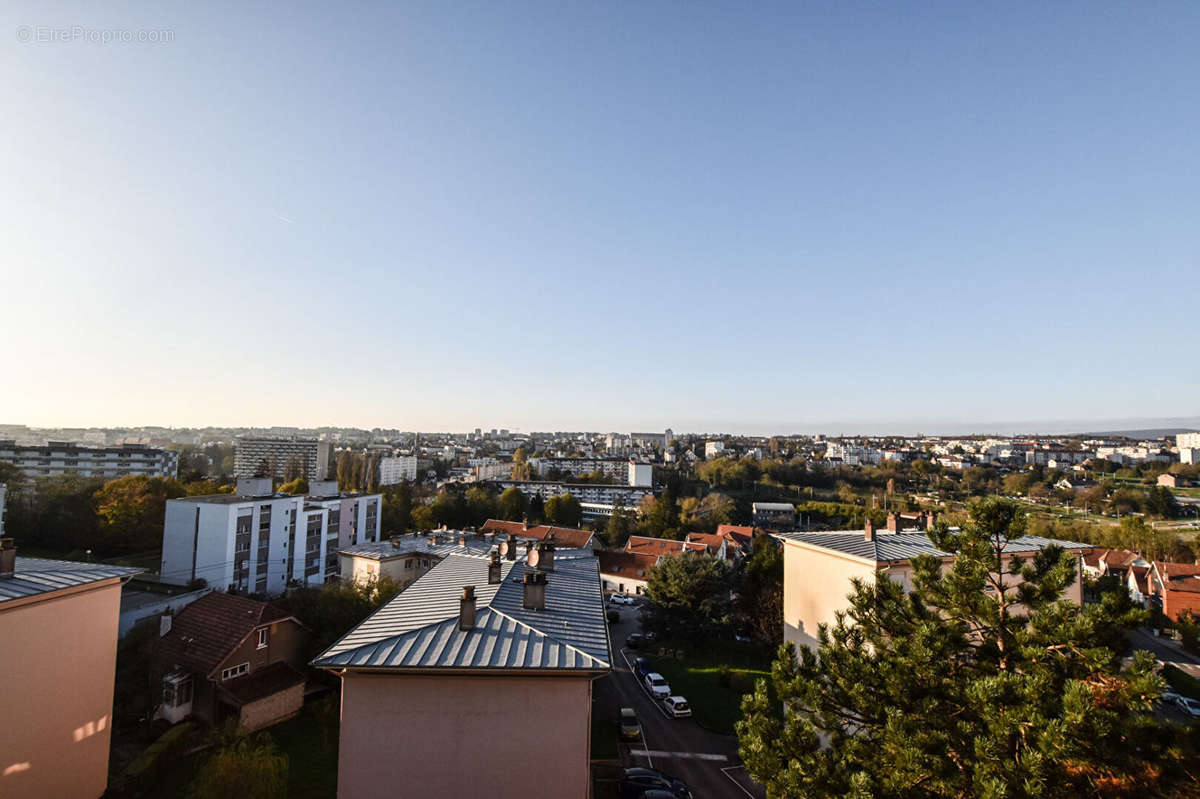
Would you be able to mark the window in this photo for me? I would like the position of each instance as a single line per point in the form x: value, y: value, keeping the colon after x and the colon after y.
x: 177, y: 690
x: 263, y: 637
x: 234, y: 671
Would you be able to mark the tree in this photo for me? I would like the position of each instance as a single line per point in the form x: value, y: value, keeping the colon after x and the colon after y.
x: 707, y: 513
x: 249, y: 767
x: 689, y: 595
x: 980, y: 682
x: 620, y: 526
x: 131, y: 510
x: 397, y: 508
x: 537, y: 509
x: 660, y: 516
x: 564, y: 510
x: 759, y: 605
x: 481, y: 505
x: 345, y: 470
x: 295, y: 487
x: 513, y: 505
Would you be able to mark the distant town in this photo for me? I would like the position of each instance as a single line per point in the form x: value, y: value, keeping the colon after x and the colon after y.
x: 338, y: 589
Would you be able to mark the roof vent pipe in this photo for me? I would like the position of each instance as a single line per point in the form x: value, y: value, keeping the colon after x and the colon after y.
x: 466, y: 608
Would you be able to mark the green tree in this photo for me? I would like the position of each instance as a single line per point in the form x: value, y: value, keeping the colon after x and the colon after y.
x: 980, y: 682
x: 537, y: 509
x: 513, y: 505
x: 564, y: 510
x: 131, y: 510
x: 660, y: 516
x: 296, y: 487
x: 620, y: 525
x: 397, y: 508
x: 249, y: 767
x: 481, y: 505
x: 689, y: 595
x: 759, y: 605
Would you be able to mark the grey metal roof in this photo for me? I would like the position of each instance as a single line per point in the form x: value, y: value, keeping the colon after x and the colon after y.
x: 382, y: 550
x: 33, y: 576
x: 418, y: 629
x: 888, y: 547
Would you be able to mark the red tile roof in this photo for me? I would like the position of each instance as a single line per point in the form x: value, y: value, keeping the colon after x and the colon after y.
x: 625, y: 564
x: 742, y: 533
x: 660, y: 546
x: 205, y: 632
x: 569, y: 537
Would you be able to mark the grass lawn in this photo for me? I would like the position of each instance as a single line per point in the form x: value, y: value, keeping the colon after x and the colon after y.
x: 698, y: 677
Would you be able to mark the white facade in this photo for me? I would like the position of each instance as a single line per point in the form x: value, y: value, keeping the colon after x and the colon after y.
x: 59, y: 458
x: 641, y: 474
x: 256, y: 544
x: 276, y: 457
x: 399, y: 469
x: 598, y: 493
x: 1189, y: 455
x: 1188, y: 440
x: 713, y: 448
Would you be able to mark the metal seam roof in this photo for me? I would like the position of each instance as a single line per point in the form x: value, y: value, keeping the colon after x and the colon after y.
x: 33, y: 576
x: 888, y: 546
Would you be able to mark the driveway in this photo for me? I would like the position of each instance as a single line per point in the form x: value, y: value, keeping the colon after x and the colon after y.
x: 706, y: 761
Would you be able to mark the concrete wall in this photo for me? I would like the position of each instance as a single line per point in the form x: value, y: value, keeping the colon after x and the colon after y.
x: 815, y: 586
x: 272, y: 709
x: 464, y: 736
x: 57, y: 694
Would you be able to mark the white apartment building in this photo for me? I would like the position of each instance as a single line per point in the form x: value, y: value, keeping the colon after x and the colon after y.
x: 852, y: 454
x: 713, y: 448
x: 276, y: 457
x: 595, y: 493
x: 60, y: 457
x: 1189, y: 447
x: 628, y: 470
x: 256, y: 541
x: 398, y: 469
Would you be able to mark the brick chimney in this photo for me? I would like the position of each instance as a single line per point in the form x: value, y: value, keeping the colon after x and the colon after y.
x: 510, y: 548
x: 893, y: 523
x: 869, y: 530
x: 930, y: 518
x: 534, y: 595
x: 8, y: 557
x: 466, y: 608
x: 395, y: 542
x: 494, y: 569
x: 462, y: 539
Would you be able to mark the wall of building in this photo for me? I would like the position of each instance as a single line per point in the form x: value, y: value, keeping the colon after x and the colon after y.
x: 815, y: 587
x: 57, y: 695
x: 272, y: 709
x: 285, y: 643
x: 518, y: 737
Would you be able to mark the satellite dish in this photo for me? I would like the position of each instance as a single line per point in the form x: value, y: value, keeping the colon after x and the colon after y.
x: 503, y: 548
x: 534, y: 557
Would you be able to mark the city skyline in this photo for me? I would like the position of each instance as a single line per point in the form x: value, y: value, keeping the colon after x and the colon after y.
x: 621, y: 216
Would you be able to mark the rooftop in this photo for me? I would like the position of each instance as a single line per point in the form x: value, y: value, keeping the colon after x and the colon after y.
x: 33, y: 576
x: 887, y: 547
x: 207, y: 630
x: 419, y: 628
x: 407, y: 545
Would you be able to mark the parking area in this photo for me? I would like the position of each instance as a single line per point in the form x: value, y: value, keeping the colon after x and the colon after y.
x: 680, y: 747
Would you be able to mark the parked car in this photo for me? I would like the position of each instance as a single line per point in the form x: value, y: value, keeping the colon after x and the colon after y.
x: 677, y: 706
x: 634, y: 640
x: 1188, y: 705
x: 1168, y: 698
x: 631, y: 729
x: 656, y: 685
x: 638, y: 781
x: 621, y: 599
x: 641, y: 667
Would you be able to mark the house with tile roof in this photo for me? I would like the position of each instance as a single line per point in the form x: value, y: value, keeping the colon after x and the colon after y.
x: 1100, y: 562
x: 645, y: 545
x: 489, y: 658
x: 818, y: 569
x: 729, y: 542
x: 625, y: 572
x: 1174, y: 588
x: 58, y: 632
x: 227, y: 656
x: 561, y: 537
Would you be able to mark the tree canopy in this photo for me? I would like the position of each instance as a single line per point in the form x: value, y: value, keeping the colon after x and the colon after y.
x: 689, y: 595
x: 981, y: 681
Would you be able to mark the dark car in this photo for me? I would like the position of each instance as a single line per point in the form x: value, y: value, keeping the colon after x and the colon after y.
x: 639, y: 781
x: 641, y: 667
x: 634, y: 640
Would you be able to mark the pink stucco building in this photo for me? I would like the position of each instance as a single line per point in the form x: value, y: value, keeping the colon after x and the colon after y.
x: 476, y: 679
x: 58, y: 631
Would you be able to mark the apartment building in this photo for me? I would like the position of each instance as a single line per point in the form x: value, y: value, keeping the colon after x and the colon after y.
x: 281, y: 458
x: 818, y: 569
x: 58, y: 625
x: 491, y: 659
x: 256, y: 541
x: 595, y: 493
x: 397, y: 469
x: 775, y: 515
x: 60, y: 457
x: 1189, y: 447
x: 625, y: 470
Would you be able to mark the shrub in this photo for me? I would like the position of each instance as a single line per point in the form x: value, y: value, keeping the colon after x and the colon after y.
x: 724, y: 676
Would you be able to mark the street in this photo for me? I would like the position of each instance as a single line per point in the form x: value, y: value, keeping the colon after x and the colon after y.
x: 706, y: 761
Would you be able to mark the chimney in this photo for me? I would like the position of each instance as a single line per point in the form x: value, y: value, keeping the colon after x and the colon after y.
x: 510, y: 548
x: 462, y: 539
x: 466, y: 608
x: 8, y: 557
x: 395, y: 542
x: 893, y: 523
x: 545, y: 559
x: 869, y: 531
x: 535, y: 591
x: 930, y: 517
x: 494, y: 569
x: 164, y: 624
x: 528, y: 549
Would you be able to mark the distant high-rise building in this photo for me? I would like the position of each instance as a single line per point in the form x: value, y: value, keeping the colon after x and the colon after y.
x: 397, y: 469
x: 60, y: 457
x: 281, y: 458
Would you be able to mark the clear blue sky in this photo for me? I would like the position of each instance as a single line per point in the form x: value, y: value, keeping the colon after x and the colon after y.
x: 601, y: 215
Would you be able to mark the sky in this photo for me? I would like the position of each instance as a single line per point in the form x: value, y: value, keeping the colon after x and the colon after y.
x: 761, y: 217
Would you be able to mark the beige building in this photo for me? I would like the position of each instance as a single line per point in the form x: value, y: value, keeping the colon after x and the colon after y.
x: 58, y: 632
x: 475, y: 680
x: 818, y: 568
x: 405, y: 558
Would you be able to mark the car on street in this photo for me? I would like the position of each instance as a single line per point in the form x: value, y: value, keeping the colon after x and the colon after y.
x: 631, y: 730
x: 621, y: 599
x: 1188, y: 705
x: 657, y: 685
x: 641, y: 667
x: 634, y: 640
x: 1168, y: 698
x: 638, y: 781
x: 677, y: 706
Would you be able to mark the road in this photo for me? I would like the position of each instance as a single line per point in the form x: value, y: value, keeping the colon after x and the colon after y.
x: 706, y: 761
x: 1166, y: 650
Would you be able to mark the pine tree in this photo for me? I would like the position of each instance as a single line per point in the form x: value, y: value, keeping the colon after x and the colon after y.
x: 980, y: 682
